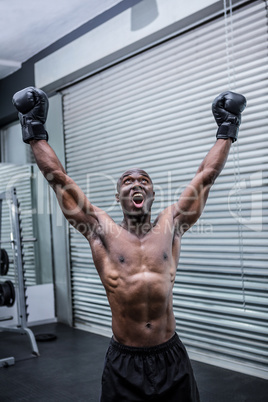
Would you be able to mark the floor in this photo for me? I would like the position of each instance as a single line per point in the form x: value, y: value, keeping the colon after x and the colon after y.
x: 69, y: 369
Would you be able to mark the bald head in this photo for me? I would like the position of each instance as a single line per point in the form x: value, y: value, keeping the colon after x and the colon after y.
x: 128, y: 173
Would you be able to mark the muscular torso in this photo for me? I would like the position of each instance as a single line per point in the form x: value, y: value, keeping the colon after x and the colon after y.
x: 138, y: 274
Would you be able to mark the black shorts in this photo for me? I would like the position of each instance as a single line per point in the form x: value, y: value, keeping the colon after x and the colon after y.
x: 159, y: 373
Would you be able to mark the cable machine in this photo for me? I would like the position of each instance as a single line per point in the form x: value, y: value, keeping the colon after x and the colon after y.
x: 232, y: 82
x: 10, y: 293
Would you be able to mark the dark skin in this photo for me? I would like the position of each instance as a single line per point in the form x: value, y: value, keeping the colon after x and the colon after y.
x: 136, y: 260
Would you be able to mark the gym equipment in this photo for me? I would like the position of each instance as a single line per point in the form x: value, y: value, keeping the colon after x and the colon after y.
x: 4, y: 262
x: 231, y: 73
x: 7, y: 289
x: 45, y: 337
x: 7, y: 294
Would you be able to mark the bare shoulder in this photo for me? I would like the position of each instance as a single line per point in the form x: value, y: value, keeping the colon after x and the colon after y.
x: 165, y: 220
x: 169, y: 220
x: 105, y: 226
x: 167, y: 214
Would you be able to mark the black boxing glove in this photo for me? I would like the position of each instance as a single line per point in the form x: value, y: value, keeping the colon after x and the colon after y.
x: 32, y: 105
x: 227, y: 109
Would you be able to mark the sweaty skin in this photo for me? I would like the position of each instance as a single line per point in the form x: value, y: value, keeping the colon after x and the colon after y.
x: 136, y: 260
x: 138, y: 273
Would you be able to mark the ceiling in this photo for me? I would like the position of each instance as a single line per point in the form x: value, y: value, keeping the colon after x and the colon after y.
x: 29, y: 26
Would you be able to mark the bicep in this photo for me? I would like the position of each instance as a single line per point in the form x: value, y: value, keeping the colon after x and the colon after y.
x: 191, y: 203
x: 75, y: 206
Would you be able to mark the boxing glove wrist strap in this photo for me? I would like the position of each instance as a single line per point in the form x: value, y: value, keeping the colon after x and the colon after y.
x: 33, y: 130
x: 227, y: 130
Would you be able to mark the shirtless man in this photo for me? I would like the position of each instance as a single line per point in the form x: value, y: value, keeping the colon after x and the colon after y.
x: 136, y: 260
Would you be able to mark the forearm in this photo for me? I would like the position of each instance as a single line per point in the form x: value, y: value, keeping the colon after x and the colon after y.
x: 193, y: 199
x: 32, y: 105
x: 215, y: 160
x: 227, y: 109
x: 47, y: 161
x: 73, y: 202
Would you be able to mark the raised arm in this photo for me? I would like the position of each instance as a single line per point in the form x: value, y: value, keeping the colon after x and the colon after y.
x: 32, y: 104
x: 227, y: 109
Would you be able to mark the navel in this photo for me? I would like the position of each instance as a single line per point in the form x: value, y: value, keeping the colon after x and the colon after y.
x: 165, y: 256
x: 121, y: 259
x: 148, y: 325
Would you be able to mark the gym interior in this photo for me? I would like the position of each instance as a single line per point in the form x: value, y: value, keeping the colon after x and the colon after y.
x: 130, y: 83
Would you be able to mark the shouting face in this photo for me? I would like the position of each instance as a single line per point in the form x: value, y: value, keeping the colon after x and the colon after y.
x: 135, y: 192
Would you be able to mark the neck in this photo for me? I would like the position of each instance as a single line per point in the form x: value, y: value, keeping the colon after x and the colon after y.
x: 138, y: 225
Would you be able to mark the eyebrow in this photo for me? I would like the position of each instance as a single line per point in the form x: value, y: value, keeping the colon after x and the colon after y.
x: 142, y: 174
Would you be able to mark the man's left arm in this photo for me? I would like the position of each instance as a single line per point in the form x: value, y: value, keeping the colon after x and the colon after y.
x: 227, y: 109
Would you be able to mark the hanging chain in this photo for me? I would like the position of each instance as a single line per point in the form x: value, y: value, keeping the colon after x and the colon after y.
x: 229, y: 45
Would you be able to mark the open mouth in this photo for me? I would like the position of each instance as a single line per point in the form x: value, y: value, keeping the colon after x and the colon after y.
x: 138, y: 200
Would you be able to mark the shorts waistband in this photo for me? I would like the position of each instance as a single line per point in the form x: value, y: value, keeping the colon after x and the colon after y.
x: 146, y: 350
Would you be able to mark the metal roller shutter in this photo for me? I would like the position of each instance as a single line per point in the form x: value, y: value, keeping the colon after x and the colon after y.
x: 154, y: 111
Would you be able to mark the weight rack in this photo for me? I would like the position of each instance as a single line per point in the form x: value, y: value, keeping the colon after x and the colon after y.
x: 17, y: 241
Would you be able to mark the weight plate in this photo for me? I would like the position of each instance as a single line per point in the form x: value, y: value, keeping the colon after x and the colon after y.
x: 45, y: 337
x: 11, y: 300
x: 7, y: 294
x: 4, y: 263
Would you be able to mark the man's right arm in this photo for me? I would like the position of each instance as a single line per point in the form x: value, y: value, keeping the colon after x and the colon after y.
x: 74, y: 204
x: 32, y: 105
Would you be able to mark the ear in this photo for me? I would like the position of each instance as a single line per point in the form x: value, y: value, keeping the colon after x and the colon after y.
x: 117, y: 197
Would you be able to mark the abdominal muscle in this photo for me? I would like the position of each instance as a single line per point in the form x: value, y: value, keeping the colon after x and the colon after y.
x: 142, y: 313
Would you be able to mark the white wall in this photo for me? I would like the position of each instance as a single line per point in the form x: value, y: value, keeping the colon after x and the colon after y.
x: 132, y: 25
x: 13, y: 149
x: 41, y: 306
